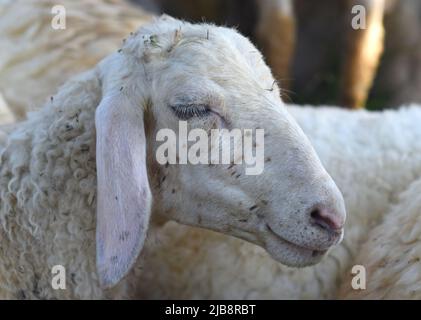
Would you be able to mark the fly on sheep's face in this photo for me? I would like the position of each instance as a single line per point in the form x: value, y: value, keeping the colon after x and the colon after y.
x: 209, y: 78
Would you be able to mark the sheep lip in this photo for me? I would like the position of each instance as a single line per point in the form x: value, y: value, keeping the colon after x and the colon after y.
x: 316, y: 251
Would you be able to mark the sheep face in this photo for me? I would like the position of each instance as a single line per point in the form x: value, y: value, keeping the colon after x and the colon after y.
x: 205, y: 77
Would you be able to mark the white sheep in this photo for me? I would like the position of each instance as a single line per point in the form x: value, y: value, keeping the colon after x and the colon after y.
x: 211, y: 77
x: 392, y: 254
x: 373, y: 157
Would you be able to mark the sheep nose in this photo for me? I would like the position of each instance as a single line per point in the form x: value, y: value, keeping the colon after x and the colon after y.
x: 327, y: 219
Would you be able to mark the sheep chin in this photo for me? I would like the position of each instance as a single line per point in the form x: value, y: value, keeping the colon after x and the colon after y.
x: 291, y: 254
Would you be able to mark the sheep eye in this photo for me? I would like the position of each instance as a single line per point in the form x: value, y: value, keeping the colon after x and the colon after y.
x: 188, y: 111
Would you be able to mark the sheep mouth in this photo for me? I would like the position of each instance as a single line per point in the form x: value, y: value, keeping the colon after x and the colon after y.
x: 315, y: 252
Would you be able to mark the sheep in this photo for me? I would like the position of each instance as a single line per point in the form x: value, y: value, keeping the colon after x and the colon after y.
x: 366, y: 206
x: 371, y: 155
x: 95, y: 130
x: 392, y: 254
x: 44, y: 58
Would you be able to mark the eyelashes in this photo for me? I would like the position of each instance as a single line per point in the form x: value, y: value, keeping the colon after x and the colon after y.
x: 188, y: 111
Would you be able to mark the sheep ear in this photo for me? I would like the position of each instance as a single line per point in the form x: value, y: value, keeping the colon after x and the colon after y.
x: 123, y: 194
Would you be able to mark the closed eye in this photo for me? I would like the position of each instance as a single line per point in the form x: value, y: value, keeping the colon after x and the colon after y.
x: 188, y: 111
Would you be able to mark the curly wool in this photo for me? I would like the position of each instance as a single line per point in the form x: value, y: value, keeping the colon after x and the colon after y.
x: 47, y: 201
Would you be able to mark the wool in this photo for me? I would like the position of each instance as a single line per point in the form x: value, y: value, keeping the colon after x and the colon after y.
x: 392, y: 254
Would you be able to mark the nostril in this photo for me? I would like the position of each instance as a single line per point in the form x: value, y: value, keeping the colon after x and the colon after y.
x: 326, y: 220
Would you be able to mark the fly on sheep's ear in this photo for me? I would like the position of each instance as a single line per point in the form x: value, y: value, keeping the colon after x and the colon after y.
x: 123, y: 194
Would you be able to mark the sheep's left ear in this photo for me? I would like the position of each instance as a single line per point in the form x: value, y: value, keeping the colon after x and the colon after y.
x: 123, y: 192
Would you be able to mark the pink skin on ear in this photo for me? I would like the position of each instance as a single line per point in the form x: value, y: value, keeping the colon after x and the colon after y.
x: 123, y: 193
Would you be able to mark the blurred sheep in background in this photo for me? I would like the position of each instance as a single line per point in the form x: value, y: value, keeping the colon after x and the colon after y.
x: 38, y: 56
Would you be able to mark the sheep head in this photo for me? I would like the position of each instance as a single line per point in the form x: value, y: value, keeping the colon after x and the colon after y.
x: 172, y: 74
